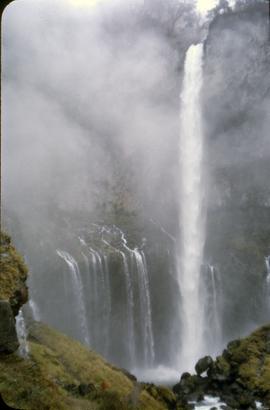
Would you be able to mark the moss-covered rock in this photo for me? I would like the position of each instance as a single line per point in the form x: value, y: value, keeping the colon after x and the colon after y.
x: 239, y: 376
x: 203, y: 364
x: 13, y: 275
x: 161, y: 394
x: 13, y: 293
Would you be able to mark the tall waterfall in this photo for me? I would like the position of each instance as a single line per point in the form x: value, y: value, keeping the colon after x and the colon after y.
x: 191, y: 208
x: 78, y: 292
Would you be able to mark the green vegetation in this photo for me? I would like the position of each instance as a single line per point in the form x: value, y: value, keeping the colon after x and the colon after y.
x: 60, y: 373
x: 13, y: 274
x: 240, y: 376
x: 251, y: 358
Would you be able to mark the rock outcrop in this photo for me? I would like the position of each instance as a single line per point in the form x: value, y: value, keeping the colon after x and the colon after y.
x: 8, y: 336
x: 240, y: 376
x: 13, y: 293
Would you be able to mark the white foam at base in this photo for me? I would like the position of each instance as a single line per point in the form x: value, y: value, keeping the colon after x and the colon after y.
x: 158, y: 375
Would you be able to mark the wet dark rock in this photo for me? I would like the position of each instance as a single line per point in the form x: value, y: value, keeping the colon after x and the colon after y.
x: 230, y: 401
x: 246, y: 400
x: 220, y: 370
x: 203, y: 364
x: 8, y: 336
x: 84, y: 389
x: 71, y: 388
x: 13, y: 293
x: 185, y: 375
x: 190, y: 387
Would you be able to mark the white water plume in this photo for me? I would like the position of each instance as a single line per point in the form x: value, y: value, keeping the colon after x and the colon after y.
x: 191, y: 216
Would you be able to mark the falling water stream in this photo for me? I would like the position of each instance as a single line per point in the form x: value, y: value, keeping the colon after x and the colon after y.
x: 22, y: 335
x: 145, y: 305
x: 130, y: 311
x: 267, y: 263
x: 34, y: 309
x: 213, y: 310
x: 78, y: 292
x: 97, y: 300
x: 191, y: 216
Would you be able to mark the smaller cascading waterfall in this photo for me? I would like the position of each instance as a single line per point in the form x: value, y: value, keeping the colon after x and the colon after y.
x: 78, y: 292
x: 145, y: 307
x: 130, y: 311
x: 108, y: 304
x: 137, y: 282
x: 91, y: 283
x: 93, y: 297
x: 100, y: 300
x: 214, y: 296
x: 213, y: 309
x: 34, y: 310
x: 191, y: 217
x: 267, y: 264
x: 22, y: 335
x: 97, y: 287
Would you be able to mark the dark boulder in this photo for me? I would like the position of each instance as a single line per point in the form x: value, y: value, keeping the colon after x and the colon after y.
x: 220, y: 370
x: 191, y: 387
x: 4, y: 406
x: 85, y: 389
x: 8, y: 336
x: 203, y: 365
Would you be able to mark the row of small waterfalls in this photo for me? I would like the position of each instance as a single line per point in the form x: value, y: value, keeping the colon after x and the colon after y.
x: 108, y: 291
x: 96, y: 303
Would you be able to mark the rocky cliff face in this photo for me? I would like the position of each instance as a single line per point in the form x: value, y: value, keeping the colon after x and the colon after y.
x: 13, y: 293
x: 236, y: 99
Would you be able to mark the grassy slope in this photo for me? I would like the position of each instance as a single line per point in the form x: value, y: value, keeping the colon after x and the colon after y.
x: 57, y: 361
